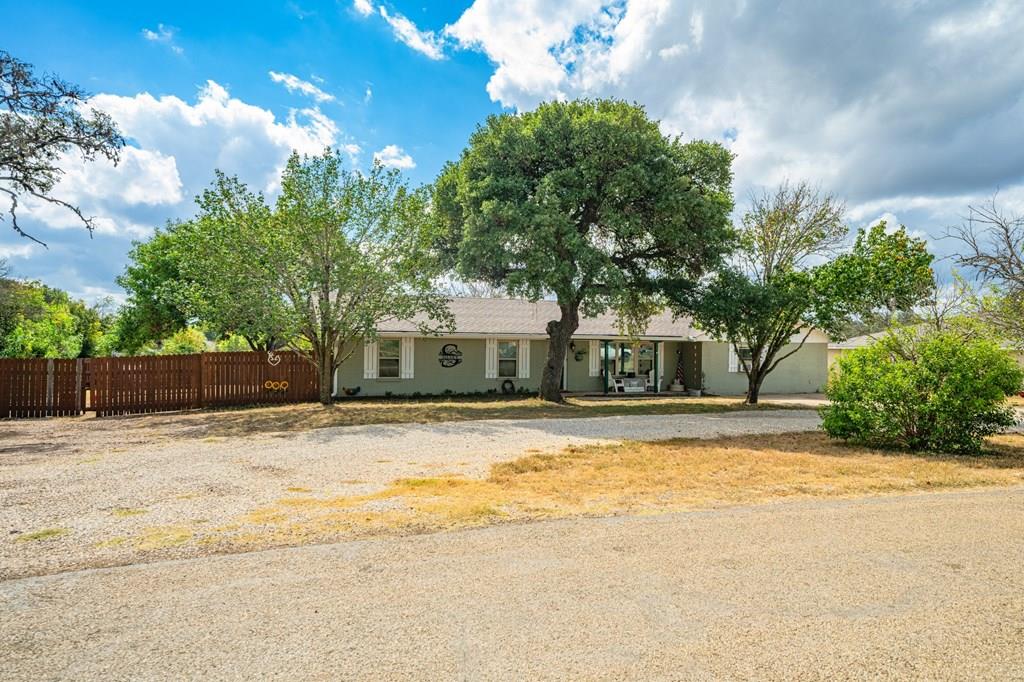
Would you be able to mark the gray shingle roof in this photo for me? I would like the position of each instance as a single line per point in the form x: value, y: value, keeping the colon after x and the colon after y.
x: 515, y: 317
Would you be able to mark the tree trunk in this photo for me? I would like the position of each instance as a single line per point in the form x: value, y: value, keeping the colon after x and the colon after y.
x: 754, y: 382
x: 326, y: 371
x: 559, y: 334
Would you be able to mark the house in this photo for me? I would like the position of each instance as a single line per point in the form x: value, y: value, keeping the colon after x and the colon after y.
x: 501, y: 344
x: 835, y: 350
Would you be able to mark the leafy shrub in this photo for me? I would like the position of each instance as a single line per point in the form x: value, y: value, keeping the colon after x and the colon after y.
x: 184, y: 342
x: 941, y: 390
x: 233, y: 343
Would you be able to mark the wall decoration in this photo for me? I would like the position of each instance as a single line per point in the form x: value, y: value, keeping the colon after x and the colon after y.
x: 450, y: 355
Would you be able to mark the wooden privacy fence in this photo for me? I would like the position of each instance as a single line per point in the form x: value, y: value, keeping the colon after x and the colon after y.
x: 38, y: 387
x: 134, y: 385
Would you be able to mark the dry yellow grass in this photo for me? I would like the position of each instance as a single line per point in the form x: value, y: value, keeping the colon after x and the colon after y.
x: 634, y: 478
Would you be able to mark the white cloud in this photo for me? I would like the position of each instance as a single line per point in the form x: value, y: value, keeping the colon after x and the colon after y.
x: 523, y: 40
x: 163, y: 35
x: 363, y: 7
x: 23, y: 250
x: 295, y: 84
x: 219, y: 131
x: 697, y: 28
x: 673, y: 51
x: 928, y: 125
x: 395, y: 157
x: 424, y: 42
x: 176, y: 147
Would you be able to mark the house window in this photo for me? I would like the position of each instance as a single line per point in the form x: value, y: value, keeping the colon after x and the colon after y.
x: 744, y: 356
x: 508, y: 358
x: 388, y: 362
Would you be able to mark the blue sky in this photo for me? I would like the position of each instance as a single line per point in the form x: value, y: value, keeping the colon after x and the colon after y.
x: 909, y: 111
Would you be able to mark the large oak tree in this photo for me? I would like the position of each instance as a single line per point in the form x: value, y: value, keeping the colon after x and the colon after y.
x: 587, y: 202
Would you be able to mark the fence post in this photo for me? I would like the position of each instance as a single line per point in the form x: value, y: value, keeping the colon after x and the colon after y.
x: 79, y: 407
x: 200, y: 370
x: 49, y: 387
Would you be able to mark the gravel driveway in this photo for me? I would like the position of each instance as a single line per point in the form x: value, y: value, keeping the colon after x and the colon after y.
x: 909, y: 587
x: 102, y: 488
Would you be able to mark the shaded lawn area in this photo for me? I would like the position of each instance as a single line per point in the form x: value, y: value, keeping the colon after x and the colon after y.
x: 632, y: 478
x: 301, y: 417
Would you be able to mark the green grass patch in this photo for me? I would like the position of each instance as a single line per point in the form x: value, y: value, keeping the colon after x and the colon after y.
x: 122, y: 512
x: 44, y: 534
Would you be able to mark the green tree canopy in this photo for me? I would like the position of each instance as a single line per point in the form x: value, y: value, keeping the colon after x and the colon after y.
x: 790, y: 277
x: 588, y: 202
x: 40, y: 321
x: 158, y: 290
x: 190, y: 273
x: 339, y: 253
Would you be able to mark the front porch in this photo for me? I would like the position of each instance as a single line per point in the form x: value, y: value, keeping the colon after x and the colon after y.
x: 645, y: 367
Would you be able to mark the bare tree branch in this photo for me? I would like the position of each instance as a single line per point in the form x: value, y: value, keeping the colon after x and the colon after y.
x: 43, y: 118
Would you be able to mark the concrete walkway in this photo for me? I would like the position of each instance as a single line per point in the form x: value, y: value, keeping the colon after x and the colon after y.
x: 914, y: 587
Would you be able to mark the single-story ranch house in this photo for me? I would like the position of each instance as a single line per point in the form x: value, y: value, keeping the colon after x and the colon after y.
x: 501, y: 344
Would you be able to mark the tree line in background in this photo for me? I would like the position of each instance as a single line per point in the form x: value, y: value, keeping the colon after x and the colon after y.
x: 586, y: 202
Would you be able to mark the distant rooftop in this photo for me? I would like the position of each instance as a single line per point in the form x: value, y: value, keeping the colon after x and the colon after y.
x: 518, y: 317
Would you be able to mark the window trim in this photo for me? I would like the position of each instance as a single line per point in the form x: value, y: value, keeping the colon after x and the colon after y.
x: 397, y: 356
x: 514, y: 359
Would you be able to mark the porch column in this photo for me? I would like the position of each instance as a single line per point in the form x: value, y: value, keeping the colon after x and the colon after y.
x: 657, y: 381
x: 604, y: 360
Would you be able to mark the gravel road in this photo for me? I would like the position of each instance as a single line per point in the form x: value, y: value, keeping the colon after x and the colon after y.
x: 910, y: 587
x: 106, y: 487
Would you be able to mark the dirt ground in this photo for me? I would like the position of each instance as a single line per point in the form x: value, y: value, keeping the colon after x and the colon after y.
x: 82, y: 493
x: 903, y: 587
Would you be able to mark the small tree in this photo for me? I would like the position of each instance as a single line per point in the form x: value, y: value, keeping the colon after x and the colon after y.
x: 921, y: 389
x: 789, y: 277
x: 227, y: 293
x: 341, y: 252
x: 41, y: 119
x: 190, y: 272
x: 157, y: 289
x: 588, y: 202
x: 993, y: 248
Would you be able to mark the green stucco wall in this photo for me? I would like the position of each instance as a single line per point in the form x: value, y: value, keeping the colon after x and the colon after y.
x: 806, y: 371
x: 431, y: 377
x: 578, y: 377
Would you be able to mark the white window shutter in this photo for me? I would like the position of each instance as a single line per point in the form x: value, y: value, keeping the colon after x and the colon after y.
x: 408, y: 352
x: 370, y: 360
x: 734, y: 360
x: 595, y: 358
x: 523, y: 361
x: 491, y: 359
